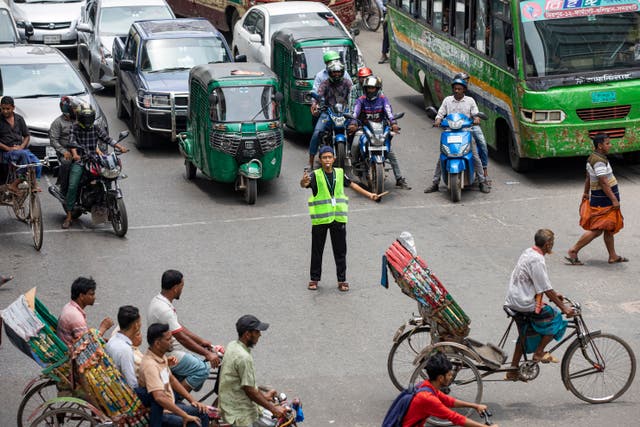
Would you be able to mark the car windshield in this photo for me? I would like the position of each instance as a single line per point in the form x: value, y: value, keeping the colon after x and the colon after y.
x: 115, y: 21
x: 309, y: 62
x: 7, y: 32
x: 184, y: 53
x: 314, y: 19
x: 34, y: 80
x: 579, y: 40
x: 244, y: 103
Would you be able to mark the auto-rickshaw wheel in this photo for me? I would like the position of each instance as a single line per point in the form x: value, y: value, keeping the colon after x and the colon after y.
x: 189, y: 169
x: 251, y: 191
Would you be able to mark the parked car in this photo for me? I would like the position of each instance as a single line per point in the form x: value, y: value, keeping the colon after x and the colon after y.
x: 53, y: 21
x: 152, y: 72
x: 104, y: 20
x: 26, y: 74
x: 8, y: 29
x: 252, y: 33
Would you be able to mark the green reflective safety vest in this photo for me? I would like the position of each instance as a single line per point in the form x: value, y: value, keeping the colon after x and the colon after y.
x: 321, y: 209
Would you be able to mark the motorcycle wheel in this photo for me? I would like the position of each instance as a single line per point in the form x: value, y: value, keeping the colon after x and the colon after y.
x: 455, y: 187
x: 341, y: 155
x: 251, y: 191
x: 119, y: 219
x: 378, y: 178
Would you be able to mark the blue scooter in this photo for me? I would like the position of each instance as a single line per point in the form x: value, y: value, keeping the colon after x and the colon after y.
x: 456, y: 154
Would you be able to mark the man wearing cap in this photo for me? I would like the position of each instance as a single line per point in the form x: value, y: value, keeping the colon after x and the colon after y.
x: 14, y: 139
x: 238, y: 395
x: 328, y: 207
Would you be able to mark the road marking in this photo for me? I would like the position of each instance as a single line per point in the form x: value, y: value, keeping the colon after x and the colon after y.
x: 631, y: 306
x: 376, y: 209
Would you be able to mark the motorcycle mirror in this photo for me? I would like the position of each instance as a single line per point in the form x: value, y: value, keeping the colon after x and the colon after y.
x: 240, y: 58
x: 122, y: 135
x: 482, y: 115
x: 349, y: 116
x: 213, y: 98
x: 398, y: 116
x: 431, y: 112
x: 278, y: 97
x: 314, y: 96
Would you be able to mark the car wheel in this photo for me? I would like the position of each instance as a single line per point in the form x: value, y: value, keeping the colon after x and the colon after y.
x: 143, y: 138
x: 121, y: 112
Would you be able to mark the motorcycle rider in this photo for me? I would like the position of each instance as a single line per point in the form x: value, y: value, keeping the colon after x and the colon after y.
x: 322, y: 75
x: 59, y: 135
x: 375, y: 107
x: 358, y: 91
x: 459, y: 103
x: 334, y: 90
x: 87, y: 136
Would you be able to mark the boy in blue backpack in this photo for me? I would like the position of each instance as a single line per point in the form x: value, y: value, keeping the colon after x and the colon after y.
x: 431, y: 402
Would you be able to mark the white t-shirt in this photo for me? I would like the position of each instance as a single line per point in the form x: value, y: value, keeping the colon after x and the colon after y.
x: 162, y: 311
x: 529, y: 278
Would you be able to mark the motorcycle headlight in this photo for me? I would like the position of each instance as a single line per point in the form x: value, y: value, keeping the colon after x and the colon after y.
x: 339, y: 121
x: 110, y: 173
x: 456, y: 124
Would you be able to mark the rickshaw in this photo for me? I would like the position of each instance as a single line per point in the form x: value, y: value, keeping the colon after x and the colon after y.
x: 234, y: 133
x: 297, y: 58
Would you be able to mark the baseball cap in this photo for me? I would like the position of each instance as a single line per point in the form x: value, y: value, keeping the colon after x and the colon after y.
x: 250, y: 322
x: 326, y: 149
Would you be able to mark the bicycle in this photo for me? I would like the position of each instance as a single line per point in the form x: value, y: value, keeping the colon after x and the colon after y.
x: 596, y: 367
x: 25, y: 201
x: 370, y: 14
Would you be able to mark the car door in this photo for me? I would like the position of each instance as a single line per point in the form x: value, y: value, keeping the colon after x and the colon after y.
x: 244, y: 31
x: 88, y: 17
x: 128, y: 78
x: 255, y: 50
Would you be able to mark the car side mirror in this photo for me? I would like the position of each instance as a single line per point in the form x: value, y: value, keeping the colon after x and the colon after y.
x: 213, y: 99
x: 127, y: 65
x: 84, y: 28
x: 432, y: 112
x: 255, y: 38
x: 96, y: 87
x: 278, y: 97
x: 240, y: 58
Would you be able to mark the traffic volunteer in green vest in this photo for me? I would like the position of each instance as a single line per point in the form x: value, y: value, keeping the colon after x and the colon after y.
x: 328, y: 207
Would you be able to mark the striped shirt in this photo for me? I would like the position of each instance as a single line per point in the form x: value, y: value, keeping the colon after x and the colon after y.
x: 88, y: 139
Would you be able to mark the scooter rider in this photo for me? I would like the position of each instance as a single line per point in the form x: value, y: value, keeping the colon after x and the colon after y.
x: 374, y: 106
x: 59, y: 135
x: 459, y: 103
x: 87, y: 136
x: 334, y: 90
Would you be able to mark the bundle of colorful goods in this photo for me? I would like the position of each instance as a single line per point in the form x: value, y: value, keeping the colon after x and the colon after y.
x: 104, y: 382
x: 417, y: 281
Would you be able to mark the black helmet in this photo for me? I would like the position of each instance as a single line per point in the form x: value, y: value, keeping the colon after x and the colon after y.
x: 86, y: 116
x: 68, y: 106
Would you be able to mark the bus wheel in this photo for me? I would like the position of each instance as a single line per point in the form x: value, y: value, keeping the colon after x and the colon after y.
x: 518, y: 164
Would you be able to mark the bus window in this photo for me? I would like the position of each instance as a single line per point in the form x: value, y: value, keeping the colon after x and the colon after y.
x: 480, y: 33
x: 437, y: 14
x: 405, y: 5
x: 424, y: 11
x: 460, y: 23
x: 502, y: 43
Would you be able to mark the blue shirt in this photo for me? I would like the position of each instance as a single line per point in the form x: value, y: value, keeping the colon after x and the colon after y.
x: 120, y: 349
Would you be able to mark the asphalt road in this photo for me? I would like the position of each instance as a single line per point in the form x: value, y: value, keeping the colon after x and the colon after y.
x: 327, y: 347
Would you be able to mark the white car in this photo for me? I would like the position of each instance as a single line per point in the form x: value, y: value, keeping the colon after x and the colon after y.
x: 252, y: 33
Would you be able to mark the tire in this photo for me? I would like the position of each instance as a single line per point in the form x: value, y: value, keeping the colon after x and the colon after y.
x: 518, y: 164
x: 35, y: 397
x: 595, y: 385
x: 377, y: 178
x: 466, y: 384
x: 189, y: 170
x: 65, y: 416
x: 119, y: 220
x: 370, y: 15
x: 251, y: 192
x: 142, y: 138
x: 455, y: 186
x: 403, y: 353
x: 35, y: 220
x: 121, y: 112
x: 341, y: 155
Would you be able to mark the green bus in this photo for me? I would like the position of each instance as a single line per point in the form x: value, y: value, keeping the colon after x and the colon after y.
x: 550, y: 74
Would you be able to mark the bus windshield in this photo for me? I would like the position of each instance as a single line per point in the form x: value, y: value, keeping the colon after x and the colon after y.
x: 574, y: 41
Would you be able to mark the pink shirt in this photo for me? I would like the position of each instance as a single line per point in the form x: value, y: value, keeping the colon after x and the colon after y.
x: 72, y: 323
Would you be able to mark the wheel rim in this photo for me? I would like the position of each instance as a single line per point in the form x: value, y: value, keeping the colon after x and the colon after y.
x: 35, y: 220
x: 600, y: 384
x: 41, y: 393
x: 400, y: 364
x: 66, y: 416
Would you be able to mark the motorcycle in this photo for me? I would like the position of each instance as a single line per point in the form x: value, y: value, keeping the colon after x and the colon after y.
x: 374, y: 144
x: 99, y: 192
x: 337, y: 137
x: 294, y: 414
x: 456, y: 153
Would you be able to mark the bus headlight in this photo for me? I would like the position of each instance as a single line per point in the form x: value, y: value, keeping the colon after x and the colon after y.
x: 543, y: 116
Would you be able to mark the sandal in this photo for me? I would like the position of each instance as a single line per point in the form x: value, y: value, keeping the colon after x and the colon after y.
x: 5, y: 279
x: 619, y: 259
x: 546, y: 358
x: 66, y: 224
x: 343, y: 286
x: 574, y: 261
x: 313, y: 285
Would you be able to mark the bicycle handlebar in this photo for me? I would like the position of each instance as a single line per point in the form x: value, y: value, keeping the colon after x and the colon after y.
x: 486, y: 415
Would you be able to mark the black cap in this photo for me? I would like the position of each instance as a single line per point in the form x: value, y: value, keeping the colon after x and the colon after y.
x: 7, y: 100
x: 249, y: 322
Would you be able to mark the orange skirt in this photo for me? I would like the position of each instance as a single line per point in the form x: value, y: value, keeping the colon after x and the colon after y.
x: 596, y: 218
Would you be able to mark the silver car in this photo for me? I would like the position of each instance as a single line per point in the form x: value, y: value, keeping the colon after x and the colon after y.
x: 53, y: 21
x: 36, y: 77
x: 103, y: 20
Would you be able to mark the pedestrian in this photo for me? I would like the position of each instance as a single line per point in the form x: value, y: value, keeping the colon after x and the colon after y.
x: 72, y: 322
x: 328, y: 207
x: 239, y: 397
x: 600, y: 207
x: 156, y: 379
x: 385, y: 32
x: 191, y: 370
x: 432, y: 402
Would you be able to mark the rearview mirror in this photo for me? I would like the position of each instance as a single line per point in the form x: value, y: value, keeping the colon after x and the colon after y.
x: 398, y: 116
x: 122, y: 135
x: 278, y: 97
x: 482, y: 115
x: 240, y: 58
x: 127, y: 65
x: 84, y: 28
x: 213, y: 99
x: 255, y: 38
x: 431, y: 112
x: 96, y: 87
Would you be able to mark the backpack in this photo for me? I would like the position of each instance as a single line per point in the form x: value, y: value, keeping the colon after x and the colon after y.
x: 400, y: 406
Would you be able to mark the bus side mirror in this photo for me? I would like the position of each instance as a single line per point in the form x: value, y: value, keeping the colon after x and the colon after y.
x: 213, y: 99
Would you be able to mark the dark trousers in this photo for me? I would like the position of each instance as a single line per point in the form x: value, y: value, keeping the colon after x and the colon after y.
x: 64, y: 169
x: 157, y: 416
x: 385, y: 38
x: 338, y: 232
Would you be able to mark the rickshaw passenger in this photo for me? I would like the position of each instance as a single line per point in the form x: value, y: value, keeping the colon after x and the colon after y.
x: 121, y: 345
x: 529, y: 280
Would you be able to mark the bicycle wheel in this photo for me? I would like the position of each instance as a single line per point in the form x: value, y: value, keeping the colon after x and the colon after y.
x: 403, y: 353
x: 21, y: 206
x: 35, y: 220
x: 35, y: 397
x: 65, y: 416
x: 466, y: 384
x: 601, y: 371
x: 370, y: 14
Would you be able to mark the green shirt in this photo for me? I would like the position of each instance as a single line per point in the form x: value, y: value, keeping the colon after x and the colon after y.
x: 236, y: 372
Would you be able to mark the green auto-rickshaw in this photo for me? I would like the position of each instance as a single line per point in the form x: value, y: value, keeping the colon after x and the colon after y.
x: 234, y: 133
x: 297, y: 58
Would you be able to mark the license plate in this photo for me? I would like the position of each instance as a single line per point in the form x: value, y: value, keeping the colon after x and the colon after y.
x: 52, y: 39
x: 598, y: 97
x: 452, y: 139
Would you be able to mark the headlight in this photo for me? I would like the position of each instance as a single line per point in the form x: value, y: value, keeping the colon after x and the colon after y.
x: 339, y: 121
x: 149, y: 100
x: 50, y: 152
x: 456, y: 124
x: 110, y: 173
x: 543, y: 116
x: 444, y: 149
x: 465, y: 149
